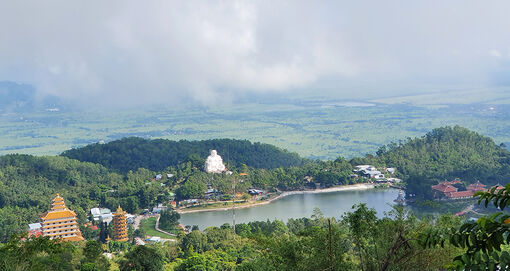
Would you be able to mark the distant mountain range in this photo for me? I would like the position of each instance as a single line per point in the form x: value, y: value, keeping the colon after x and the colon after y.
x: 16, y: 97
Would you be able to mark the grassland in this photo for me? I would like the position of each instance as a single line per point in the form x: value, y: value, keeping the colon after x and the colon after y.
x: 320, y: 128
x: 148, y: 226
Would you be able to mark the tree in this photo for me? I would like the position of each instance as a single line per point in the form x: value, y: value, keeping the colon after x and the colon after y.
x: 169, y: 219
x: 92, y: 250
x: 142, y: 258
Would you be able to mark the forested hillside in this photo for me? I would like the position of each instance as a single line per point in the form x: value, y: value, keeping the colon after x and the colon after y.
x: 445, y: 153
x: 133, y: 153
x: 28, y: 183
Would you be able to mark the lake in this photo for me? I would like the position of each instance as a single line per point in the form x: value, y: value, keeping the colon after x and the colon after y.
x: 332, y: 204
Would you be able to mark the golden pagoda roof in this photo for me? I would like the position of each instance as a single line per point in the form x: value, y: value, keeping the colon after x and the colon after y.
x: 58, y: 198
x: 119, y: 211
x: 54, y: 214
x: 58, y: 209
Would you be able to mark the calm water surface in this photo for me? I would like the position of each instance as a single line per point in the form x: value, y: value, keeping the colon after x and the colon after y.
x: 332, y: 204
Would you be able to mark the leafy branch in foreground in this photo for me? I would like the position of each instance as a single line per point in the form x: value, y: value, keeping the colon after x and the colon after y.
x: 485, y: 241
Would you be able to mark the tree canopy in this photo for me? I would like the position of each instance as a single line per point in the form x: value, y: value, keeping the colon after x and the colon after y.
x: 157, y: 154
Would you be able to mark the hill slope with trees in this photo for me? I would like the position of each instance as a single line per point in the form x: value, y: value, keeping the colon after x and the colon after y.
x: 133, y: 153
x: 445, y: 153
x: 28, y: 183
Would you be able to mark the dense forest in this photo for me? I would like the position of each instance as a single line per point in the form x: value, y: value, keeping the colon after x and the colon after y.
x: 133, y: 153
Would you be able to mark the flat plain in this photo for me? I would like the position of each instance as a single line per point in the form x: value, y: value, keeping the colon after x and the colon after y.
x: 321, y: 128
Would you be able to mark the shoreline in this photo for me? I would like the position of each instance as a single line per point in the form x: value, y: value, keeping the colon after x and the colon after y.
x: 360, y: 186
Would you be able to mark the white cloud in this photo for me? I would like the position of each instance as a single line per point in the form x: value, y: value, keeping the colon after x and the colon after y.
x: 495, y: 53
x: 169, y: 51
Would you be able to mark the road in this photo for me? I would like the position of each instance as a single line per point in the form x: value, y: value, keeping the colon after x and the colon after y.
x: 160, y: 230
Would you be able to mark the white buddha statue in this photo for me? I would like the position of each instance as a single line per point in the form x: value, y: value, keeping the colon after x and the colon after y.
x: 214, y: 163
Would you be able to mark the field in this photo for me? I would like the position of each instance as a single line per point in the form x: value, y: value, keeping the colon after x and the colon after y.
x: 148, y: 226
x: 319, y: 128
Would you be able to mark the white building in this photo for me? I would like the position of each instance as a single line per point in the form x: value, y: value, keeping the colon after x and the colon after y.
x: 102, y: 214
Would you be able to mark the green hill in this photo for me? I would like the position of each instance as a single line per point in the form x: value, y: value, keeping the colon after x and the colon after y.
x: 133, y: 153
x: 446, y: 153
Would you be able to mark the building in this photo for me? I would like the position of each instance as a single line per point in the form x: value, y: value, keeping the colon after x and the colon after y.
x: 255, y: 192
x: 372, y: 174
x: 478, y: 186
x: 364, y: 167
x: 102, y: 215
x: 60, y: 222
x: 159, y: 208
x: 443, y: 189
x: 120, y: 230
x: 446, y: 190
x: 34, y: 229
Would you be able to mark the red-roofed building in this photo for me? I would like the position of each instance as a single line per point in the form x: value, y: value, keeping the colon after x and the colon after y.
x: 478, y: 186
x: 456, y: 181
x: 442, y: 189
x: 460, y: 194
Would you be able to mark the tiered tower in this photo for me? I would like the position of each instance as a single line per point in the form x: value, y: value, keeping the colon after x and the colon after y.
x: 120, y: 230
x: 60, y: 222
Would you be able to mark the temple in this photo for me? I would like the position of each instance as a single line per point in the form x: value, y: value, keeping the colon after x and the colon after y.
x: 120, y: 230
x: 60, y: 222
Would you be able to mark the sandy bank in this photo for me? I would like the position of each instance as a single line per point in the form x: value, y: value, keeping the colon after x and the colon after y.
x: 362, y: 186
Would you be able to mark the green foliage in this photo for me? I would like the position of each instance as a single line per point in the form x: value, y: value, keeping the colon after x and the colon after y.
x: 169, y: 219
x: 36, y: 254
x: 142, y: 258
x: 133, y: 153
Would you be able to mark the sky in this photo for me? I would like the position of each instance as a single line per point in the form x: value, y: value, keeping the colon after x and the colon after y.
x: 132, y: 53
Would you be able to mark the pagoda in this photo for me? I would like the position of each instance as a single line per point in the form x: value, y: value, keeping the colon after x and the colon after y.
x: 120, y: 230
x: 60, y: 222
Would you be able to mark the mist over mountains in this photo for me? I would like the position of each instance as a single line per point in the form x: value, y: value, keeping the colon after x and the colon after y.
x: 16, y: 97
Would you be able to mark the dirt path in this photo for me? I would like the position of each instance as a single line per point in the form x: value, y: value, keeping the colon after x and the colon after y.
x: 160, y: 230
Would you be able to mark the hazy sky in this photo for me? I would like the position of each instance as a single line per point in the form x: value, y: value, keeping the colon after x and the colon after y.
x: 140, y: 52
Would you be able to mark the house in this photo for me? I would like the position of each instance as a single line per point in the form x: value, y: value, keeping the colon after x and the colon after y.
x: 372, y: 174
x: 391, y: 170
x: 394, y: 180
x: 189, y: 202
x: 255, y: 192
x: 478, y: 186
x: 159, y: 208
x: 102, y: 214
x: 460, y: 194
x: 364, y: 167
x: 169, y: 175
x: 442, y: 189
x: 446, y: 190
x: 159, y: 177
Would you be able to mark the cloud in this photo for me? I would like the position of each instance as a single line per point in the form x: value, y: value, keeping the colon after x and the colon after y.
x: 133, y: 53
